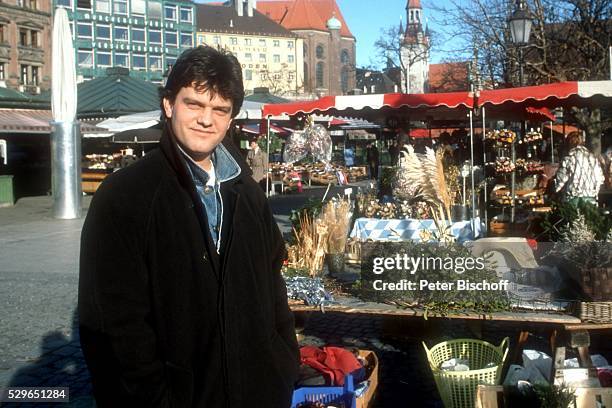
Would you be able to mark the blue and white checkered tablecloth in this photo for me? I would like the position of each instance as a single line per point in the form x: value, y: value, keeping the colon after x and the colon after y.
x: 404, y: 230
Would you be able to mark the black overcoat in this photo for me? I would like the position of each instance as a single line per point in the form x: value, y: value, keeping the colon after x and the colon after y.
x: 164, y: 320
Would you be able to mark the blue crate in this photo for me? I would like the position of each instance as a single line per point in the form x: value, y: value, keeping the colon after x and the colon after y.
x: 327, y: 395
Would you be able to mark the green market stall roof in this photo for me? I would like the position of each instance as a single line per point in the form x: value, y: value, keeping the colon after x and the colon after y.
x: 116, y: 94
x: 10, y: 98
x: 263, y: 95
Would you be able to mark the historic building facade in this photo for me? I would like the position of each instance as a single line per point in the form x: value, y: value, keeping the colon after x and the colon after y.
x: 329, y: 46
x: 145, y: 36
x: 271, y: 56
x: 415, y: 51
x: 25, y: 45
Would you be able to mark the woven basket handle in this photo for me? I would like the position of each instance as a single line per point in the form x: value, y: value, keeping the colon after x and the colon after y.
x: 504, y: 346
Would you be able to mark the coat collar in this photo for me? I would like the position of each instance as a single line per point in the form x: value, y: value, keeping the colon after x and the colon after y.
x: 169, y: 147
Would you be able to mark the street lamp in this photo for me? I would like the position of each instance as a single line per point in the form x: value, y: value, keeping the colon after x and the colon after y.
x: 520, y: 23
x: 520, y: 29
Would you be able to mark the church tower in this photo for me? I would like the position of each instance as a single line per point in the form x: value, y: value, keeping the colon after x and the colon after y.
x: 415, y: 51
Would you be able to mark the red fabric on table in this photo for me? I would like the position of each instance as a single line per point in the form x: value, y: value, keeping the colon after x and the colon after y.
x: 333, y: 362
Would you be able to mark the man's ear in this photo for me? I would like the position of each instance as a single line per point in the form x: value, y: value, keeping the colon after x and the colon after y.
x: 168, y: 108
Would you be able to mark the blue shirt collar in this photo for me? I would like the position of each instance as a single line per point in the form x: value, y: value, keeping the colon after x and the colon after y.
x: 226, y: 167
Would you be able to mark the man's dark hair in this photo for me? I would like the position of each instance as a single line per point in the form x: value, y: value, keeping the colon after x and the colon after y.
x: 207, y: 69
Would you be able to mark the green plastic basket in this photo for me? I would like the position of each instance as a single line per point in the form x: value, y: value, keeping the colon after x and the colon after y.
x: 458, y: 388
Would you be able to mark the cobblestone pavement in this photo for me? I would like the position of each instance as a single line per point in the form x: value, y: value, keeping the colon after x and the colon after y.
x: 39, y: 346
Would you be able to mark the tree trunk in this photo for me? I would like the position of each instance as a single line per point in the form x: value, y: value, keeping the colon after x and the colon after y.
x: 590, y: 121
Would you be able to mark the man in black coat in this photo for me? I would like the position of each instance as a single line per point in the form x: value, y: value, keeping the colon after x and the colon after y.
x: 181, y: 301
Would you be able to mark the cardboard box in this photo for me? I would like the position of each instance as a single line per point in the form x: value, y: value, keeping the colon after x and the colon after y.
x: 366, y: 398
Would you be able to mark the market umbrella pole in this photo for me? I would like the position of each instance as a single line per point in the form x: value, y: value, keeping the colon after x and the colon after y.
x: 65, y: 139
x: 484, y: 164
x: 552, y: 142
x: 268, y: 158
x: 472, y: 172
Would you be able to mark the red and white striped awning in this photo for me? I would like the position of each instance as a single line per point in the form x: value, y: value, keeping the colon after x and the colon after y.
x: 549, y: 95
x: 364, y: 103
x: 509, y: 103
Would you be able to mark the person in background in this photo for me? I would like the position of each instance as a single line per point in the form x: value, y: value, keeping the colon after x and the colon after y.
x: 580, y: 175
x: 373, y: 157
x: 257, y: 160
x: 394, y: 152
x: 181, y: 301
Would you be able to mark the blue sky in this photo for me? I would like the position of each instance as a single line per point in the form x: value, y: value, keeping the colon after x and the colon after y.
x: 366, y: 18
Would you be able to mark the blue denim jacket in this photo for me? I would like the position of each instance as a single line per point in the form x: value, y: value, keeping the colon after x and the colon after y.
x: 226, y: 169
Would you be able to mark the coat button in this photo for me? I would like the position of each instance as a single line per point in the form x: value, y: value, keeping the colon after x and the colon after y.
x: 204, y: 258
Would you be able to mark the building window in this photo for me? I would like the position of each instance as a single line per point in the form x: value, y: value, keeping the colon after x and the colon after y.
x: 64, y: 3
x: 248, y: 41
x: 233, y: 40
x: 103, y: 32
x: 154, y: 10
x: 216, y: 40
x: 201, y: 39
x: 320, y: 74
x: 290, y: 59
x: 186, y: 15
x: 290, y: 45
x: 121, y: 34
x: 320, y: 51
x: 171, y: 38
x: 120, y: 7
x: 138, y: 35
x: 23, y: 75
x: 344, y: 79
x: 103, y: 59
x: 84, y: 4
x: 170, y: 13
x: 170, y: 61
x: 276, y: 58
x: 23, y: 37
x: 276, y: 43
x: 262, y: 57
x: 263, y: 42
x: 186, y: 40
x: 248, y: 56
x: 305, y: 50
x: 139, y: 62
x: 84, y: 30
x: 306, y: 75
x: 33, y: 4
x: 155, y: 37
x: 155, y: 62
x: 248, y: 75
x: 344, y: 57
x: 2, y: 70
x: 34, y: 39
x: 85, y: 58
x: 2, y: 33
x: 121, y: 60
x: 138, y: 7
x: 103, y: 6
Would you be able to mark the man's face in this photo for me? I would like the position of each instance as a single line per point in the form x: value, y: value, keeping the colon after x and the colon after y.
x: 199, y: 121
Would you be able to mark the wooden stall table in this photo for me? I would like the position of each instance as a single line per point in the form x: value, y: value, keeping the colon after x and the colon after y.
x: 562, y: 328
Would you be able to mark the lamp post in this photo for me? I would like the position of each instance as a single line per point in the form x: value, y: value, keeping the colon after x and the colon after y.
x: 520, y: 29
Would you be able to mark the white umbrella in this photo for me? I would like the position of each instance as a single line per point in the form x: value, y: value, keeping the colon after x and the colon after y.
x: 65, y: 141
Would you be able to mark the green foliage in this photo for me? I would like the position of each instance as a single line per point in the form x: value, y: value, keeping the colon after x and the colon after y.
x: 563, y: 213
x: 554, y: 396
x: 275, y: 143
x: 386, y: 179
x: 289, y: 272
x: 312, y: 208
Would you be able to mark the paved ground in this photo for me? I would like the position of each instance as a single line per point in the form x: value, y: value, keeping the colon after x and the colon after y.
x: 38, y: 287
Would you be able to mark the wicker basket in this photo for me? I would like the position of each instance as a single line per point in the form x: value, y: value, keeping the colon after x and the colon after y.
x: 458, y: 388
x: 595, y: 312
